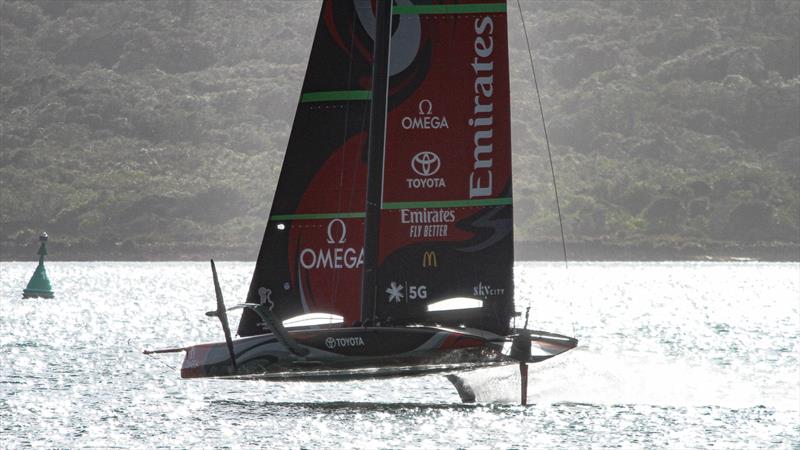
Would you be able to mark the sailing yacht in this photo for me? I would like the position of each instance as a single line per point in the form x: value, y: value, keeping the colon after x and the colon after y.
x: 389, y: 246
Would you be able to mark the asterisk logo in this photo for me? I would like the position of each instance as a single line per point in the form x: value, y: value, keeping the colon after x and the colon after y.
x: 395, y: 292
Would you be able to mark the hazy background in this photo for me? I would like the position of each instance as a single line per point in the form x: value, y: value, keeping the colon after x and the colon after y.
x: 156, y: 129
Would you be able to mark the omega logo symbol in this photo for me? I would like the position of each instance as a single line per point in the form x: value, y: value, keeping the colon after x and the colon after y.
x: 426, y: 164
x: 343, y: 236
x: 425, y: 107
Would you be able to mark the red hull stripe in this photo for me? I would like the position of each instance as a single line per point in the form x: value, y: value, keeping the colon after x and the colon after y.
x: 450, y: 9
x: 448, y: 203
x: 460, y: 341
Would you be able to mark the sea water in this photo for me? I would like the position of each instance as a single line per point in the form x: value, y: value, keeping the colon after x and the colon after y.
x: 680, y: 355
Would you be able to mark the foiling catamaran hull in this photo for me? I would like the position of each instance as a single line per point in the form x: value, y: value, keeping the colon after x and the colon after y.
x: 363, y: 352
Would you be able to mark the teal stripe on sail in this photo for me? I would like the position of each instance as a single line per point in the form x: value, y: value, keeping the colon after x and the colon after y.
x: 450, y: 9
x: 341, y: 215
x: 334, y: 96
x: 449, y: 203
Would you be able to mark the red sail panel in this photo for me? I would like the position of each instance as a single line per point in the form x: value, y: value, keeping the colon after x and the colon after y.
x: 311, y: 256
x: 326, y: 249
x: 446, y: 223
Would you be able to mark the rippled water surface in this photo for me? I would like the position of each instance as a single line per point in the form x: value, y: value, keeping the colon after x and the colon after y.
x: 671, y: 355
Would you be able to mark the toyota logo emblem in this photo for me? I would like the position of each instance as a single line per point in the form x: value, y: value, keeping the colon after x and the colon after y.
x: 330, y: 342
x: 426, y: 164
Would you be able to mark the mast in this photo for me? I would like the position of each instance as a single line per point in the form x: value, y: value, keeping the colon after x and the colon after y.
x: 375, y: 151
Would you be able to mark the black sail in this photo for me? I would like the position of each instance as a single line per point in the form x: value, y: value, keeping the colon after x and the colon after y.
x: 311, y: 257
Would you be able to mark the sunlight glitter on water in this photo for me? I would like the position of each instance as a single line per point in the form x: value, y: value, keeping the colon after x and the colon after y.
x: 671, y: 354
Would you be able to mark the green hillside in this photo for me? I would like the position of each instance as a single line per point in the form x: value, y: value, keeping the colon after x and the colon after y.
x: 156, y: 129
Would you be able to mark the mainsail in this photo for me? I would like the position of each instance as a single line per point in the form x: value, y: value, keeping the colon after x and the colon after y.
x: 444, y: 215
x: 311, y: 257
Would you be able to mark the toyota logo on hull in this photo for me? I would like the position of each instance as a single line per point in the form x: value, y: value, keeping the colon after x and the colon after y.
x: 341, y: 342
x: 426, y: 164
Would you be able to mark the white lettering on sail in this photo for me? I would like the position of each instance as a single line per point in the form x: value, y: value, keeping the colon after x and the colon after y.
x: 427, y: 231
x: 417, y: 183
x: 395, y: 292
x: 427, y: 223
x: 427, y: 215
x: 333, y: 257
x: 425, y: 120
x: 480, y: 180
x: 485, y: 290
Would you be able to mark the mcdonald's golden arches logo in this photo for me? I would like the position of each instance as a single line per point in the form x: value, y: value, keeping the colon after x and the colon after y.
x: 429, y: 259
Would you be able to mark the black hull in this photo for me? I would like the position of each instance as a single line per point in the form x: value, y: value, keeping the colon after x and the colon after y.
x: 340, y: 354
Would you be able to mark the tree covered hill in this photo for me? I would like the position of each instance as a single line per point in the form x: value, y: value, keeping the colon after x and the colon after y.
x: 156, y: 129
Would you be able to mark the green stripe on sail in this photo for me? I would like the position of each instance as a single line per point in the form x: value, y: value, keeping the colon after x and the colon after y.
x: 341, y: 215
x: 334, y: 96
x: 449, y: 203
x: 450, y: 9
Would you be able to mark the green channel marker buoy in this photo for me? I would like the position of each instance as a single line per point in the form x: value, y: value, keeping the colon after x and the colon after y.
x: 39, y: 286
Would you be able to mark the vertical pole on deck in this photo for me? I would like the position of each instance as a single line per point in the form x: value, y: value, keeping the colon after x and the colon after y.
x: 523, y: 375
x: 376, y: 143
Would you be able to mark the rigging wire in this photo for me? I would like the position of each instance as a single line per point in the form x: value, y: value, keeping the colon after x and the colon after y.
x: 546, y: 138
x: 547, y: 144
x: 138, y: 350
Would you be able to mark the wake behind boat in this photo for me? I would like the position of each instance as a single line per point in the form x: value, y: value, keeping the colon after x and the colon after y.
x: 389, y: 248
